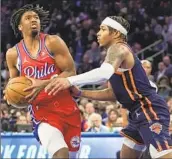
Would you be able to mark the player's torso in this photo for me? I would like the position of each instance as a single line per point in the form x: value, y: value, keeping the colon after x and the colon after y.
x: 132, y: 87
x: 43, y: 67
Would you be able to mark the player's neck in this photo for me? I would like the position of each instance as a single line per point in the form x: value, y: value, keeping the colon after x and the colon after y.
x: 31, y: 41
x: 115, y: 41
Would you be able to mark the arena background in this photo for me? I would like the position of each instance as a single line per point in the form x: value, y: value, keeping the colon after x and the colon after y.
x: 77, y: 22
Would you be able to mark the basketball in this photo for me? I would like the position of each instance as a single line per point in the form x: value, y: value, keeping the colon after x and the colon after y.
x: 14, y: 91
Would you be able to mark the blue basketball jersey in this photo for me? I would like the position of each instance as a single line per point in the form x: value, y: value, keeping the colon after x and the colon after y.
x: 133, y: 90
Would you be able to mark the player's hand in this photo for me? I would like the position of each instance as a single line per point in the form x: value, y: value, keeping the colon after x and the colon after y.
x: 56, y: 85
x: 75, y: 91
x: 35, y: 88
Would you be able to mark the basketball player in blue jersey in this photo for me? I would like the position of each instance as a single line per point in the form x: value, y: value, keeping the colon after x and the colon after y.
x: 148, y: 128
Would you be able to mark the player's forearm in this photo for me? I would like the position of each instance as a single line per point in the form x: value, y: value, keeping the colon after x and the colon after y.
x: 95, y: 76
x: 64, y: 74
x: 67, y: 73
x: 102, y: 95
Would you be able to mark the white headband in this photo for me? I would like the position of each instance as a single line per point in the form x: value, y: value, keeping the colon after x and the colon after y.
x: 114, y: 24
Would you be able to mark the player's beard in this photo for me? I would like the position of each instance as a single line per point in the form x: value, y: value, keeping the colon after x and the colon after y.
x: 34, y: 33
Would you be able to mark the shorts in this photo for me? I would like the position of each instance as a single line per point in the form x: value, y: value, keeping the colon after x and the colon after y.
x: 71, y: 133
x: 142, y: 132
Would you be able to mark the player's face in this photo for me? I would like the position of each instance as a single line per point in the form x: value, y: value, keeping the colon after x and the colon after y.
x: 103, y: 36
x: 30, y: 23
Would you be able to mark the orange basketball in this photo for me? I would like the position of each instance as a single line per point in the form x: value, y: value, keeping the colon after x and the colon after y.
x: 14, y: 91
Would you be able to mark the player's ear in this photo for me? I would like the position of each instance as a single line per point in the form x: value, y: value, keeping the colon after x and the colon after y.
x: 20, y: 27
x: 116, y: 34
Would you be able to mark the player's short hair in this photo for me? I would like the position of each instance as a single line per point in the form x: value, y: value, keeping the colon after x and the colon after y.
x: 16, y: 16
x: 123, y: 22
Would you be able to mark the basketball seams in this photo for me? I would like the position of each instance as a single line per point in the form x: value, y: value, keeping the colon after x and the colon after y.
x: 18, y: 82
x: 16, y: 91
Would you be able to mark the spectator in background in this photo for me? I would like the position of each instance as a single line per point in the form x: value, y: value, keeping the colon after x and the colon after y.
x: 95, y: 123
x: 148, y: 68
x: 84, y: 124
x: 164, y: 88
x: 107, y: 109
x: 5, y: 125
x: 113, y: 123
x: 86, y: 65
x: 94, y: 54
x: 14, y: 114
x: 168, y: 73
x: 167, y: 61
x: 136, y: 47
x: 83, y: 101
x: 89, y: 109
x: 22, y: 120
x: 160, y: 72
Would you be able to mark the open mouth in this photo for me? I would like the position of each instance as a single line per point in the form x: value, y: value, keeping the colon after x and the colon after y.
x: 33, y: 26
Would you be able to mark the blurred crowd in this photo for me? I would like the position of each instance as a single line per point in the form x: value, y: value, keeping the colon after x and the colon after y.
x: 77, y: 22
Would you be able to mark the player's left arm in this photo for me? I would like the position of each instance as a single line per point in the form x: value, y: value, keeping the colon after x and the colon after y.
x: 62, y: 56
x: 101, y: 95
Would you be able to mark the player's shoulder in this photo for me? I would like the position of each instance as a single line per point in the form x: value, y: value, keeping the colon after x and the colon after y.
x: 124, y: 47
x: 53, y: 38
x: 12, y: 51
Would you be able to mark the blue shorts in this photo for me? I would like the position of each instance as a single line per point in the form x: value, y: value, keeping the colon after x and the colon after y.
x: 153, y: 131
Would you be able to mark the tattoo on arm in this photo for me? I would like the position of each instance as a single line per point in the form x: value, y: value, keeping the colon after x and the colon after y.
x: 115, y: 56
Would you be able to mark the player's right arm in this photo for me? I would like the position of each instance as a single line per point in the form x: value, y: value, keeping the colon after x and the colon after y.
x: 101, y: 95
x: 11, y: 58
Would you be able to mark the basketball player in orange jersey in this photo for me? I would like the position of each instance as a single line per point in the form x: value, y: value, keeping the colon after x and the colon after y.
x: 41, y: 57
x: 148, y: 113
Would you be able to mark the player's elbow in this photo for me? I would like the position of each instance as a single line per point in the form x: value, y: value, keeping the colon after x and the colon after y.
x: 71, y: 72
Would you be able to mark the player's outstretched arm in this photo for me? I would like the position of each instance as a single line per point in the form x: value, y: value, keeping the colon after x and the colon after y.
x: 115, y: 56
x: 95, y: 76
x: 101, y: 95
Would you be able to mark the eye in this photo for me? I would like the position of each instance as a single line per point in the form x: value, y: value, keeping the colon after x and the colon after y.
x: 27, y: 18
x: 36, y: 17
x: 103, y: 29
